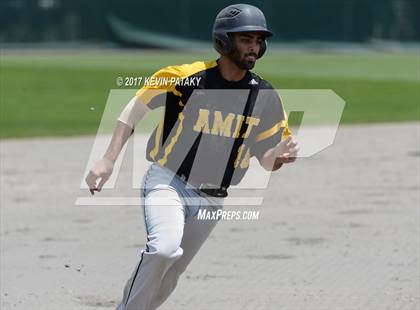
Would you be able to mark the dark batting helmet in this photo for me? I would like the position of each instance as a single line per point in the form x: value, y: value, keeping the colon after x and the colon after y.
x: 238, y: 18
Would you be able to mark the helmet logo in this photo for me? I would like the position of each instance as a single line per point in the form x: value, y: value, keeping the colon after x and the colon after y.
x: 231, y: 13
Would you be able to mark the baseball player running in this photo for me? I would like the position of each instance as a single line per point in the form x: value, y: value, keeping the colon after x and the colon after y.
x: 201, y: 146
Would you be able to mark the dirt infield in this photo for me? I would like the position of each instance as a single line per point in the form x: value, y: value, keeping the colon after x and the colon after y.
x: 339, y: 230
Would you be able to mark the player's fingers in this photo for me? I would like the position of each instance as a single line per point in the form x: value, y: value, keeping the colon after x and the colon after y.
x: 91, y: 182
x: 292, y: 143
x: 293, y: 155
x: 284, y: 155
x: 288, y: 139
x: 294, y: 149
x: 101, y: 183
x: 91, y: 179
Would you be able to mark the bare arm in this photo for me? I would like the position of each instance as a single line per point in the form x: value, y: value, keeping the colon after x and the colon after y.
x: 131, y: 115
x: 120, y: 136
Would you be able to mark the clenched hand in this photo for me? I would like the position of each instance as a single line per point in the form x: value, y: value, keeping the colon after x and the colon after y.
x: 286, y: 151
x: 101, y: 169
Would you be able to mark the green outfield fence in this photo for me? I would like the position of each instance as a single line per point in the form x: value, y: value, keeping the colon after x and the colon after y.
x: 165, y: 23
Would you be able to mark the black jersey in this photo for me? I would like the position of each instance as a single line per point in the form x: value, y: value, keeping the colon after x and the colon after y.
x: 203, y: 114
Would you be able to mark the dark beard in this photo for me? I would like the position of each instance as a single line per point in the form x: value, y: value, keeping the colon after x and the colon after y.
x: 243, y: 64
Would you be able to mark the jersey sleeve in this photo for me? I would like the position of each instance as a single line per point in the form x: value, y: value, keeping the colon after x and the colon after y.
x: 274, y: 127
x: 158, y: 86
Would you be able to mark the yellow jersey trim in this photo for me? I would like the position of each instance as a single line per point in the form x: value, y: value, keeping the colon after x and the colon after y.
x: 148, y: 92
x: 158, y: 135
x: 174, y: 139
x: 272, y: 131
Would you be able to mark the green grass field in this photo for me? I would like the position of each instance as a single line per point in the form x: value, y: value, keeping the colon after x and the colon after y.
x: 52, y: 93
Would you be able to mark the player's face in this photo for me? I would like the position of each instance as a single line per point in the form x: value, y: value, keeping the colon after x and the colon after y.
x: 246, y: 46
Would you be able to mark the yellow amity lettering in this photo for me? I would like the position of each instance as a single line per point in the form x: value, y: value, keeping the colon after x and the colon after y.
x: 222, y: 127
x: 202, y: 123
x: 239, y: 119
x: 245, y: 161
x: 251, y: 121
x: 238, y: 157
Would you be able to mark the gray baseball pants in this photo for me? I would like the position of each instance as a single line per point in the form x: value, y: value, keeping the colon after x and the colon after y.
x: 174, y: 235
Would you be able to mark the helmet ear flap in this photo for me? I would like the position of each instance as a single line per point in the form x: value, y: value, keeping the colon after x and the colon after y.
x: 222, y: 43
x: 262, y: 49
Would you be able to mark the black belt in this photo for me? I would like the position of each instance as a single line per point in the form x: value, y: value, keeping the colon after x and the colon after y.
x: 208, y: 188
